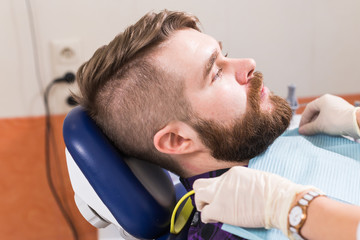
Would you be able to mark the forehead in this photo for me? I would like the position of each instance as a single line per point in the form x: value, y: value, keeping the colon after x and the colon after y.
x: 192, y: 40
x: 186, y: 49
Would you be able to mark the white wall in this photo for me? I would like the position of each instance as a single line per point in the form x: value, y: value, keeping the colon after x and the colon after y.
x: 314, y: 44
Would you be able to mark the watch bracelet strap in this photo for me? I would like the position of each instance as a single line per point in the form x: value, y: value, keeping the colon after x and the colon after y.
x: 303, y: 202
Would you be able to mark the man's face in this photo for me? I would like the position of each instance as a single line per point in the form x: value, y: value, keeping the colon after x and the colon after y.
x: 234, y: 114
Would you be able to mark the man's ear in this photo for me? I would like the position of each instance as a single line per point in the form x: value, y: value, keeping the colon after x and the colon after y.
x: 176, y: 138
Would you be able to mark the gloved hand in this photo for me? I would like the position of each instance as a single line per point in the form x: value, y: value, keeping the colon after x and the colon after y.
x: 247, y: 198
x: 331, y: 115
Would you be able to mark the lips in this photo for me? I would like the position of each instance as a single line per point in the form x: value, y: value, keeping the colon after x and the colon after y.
x: 263, y: 91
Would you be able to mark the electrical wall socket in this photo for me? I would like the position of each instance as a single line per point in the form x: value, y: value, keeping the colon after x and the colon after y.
x: 65, y: 55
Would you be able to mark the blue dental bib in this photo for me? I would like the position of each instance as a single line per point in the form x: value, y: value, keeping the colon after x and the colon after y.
x: 329, y: 163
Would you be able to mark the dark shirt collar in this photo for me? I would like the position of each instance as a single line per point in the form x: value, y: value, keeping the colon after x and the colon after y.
x: 188, y: 182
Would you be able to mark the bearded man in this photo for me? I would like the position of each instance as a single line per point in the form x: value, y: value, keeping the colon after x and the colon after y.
x: 163, y: 91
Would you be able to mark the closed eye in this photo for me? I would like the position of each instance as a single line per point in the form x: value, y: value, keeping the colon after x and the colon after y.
x: 218, y: 75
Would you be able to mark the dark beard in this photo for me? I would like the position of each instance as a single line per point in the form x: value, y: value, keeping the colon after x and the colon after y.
x: 249, y: 135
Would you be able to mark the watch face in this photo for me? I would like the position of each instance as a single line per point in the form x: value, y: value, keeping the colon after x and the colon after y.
x: 295, y: 216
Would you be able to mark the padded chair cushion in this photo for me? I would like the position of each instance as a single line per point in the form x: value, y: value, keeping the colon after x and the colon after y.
x: 140, y: 212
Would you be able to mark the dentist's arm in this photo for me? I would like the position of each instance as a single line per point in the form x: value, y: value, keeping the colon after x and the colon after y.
x: 331, y: 115
x: 252, y: 198
x: 329, y: 219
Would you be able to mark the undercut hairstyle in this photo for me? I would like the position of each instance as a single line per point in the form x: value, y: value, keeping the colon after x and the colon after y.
x: 128, y: 95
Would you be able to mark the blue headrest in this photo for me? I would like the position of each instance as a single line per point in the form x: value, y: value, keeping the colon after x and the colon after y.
x: 134, y: 208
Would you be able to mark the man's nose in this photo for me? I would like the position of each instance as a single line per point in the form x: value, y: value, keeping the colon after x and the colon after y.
x: 245, y: 70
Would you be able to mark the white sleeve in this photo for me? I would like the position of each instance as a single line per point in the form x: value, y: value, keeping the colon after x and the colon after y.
x: 358, y: 232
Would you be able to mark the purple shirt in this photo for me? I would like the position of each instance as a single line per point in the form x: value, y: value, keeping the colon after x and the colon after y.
x: 198, y: 229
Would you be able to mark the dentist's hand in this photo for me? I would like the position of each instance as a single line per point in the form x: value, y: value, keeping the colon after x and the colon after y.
x: 248, y: 198
x: 331, y: 115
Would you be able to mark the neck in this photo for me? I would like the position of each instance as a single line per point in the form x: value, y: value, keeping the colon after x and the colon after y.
x: 204, y: 162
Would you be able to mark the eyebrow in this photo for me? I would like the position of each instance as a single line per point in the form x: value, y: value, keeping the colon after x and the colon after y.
x: 210, y: 62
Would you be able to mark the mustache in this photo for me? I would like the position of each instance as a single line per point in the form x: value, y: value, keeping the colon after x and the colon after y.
x: 256, y: 81
x: 255, y: 85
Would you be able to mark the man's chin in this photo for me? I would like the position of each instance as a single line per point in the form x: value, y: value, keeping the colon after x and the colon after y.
x: 267, y: 107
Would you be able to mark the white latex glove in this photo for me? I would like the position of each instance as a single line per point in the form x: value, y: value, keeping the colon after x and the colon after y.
x: 247, y: 198
x: 331, y: 115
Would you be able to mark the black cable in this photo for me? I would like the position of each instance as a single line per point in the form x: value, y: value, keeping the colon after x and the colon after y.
x: 51, y: 184
x: 47, y: 119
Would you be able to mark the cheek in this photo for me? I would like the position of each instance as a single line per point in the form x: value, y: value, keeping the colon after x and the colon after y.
x: 233, y: 98
x: 223, y: 102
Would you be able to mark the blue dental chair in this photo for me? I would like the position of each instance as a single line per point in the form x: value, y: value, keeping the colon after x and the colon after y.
x: 135, y: 196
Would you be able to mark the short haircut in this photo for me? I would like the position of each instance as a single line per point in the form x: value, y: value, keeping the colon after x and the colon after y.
x: 128, y: 95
